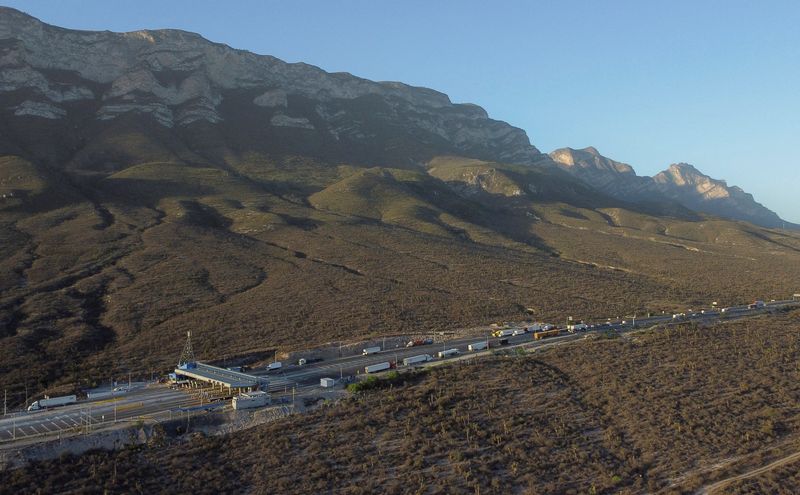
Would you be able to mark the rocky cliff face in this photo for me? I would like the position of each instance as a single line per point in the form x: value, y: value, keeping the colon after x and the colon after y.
x: 614, y: 178
x: 179, y: 78
x: 681, y: 183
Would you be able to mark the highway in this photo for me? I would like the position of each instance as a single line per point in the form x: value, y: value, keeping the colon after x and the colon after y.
x: 164, y: 402
x: 87, y: 415
x: 309, y: 375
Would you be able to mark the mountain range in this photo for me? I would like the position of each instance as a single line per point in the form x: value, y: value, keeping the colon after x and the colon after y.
x: 154, y: 183
x: 95, y: 81
x: 681, y: 183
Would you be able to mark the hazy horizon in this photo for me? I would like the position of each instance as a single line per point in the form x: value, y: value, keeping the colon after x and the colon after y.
x: 712, y: 85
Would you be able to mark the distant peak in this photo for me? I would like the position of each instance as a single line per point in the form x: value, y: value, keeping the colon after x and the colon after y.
x: 683, y: 172
x: 592, y: 150
x: 589, y: 159
x: 684, y: 166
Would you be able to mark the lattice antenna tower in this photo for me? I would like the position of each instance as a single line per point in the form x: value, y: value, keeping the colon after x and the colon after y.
x: 187, y: 356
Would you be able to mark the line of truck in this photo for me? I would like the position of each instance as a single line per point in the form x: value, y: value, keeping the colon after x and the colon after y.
x: 510, y: 332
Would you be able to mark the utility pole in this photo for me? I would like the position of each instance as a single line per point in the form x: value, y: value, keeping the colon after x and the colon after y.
x: 5, y: 401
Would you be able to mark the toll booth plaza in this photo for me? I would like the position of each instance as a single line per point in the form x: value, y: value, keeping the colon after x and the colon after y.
x: 233, y: 381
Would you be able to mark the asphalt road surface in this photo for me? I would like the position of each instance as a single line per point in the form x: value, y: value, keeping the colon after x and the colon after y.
x: 86, y: 415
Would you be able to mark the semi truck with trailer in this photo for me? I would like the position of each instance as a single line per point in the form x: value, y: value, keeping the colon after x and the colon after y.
x: 375, y: 368
x: 478, y: 346
x: 546, y: 333
x: 49, y: 402
x: 422, y: 358
x: 370, y: 350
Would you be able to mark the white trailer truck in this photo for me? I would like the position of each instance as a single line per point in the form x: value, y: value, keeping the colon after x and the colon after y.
x: 422, y: 358
x: 448, y: 353
x: 374, y: 368
x: 370, y: 350
x: 478, y: 346
x: 49, y: 402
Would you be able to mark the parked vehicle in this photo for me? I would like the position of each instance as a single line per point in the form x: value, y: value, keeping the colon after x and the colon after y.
x: 49, y: 402
x: 448, y: 353
x: 374, y: 368
x: 478, y: 346
x: 370, y: 350
x: 422, y: 358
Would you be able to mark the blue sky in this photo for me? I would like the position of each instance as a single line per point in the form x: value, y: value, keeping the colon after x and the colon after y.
x: 710, y: 82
